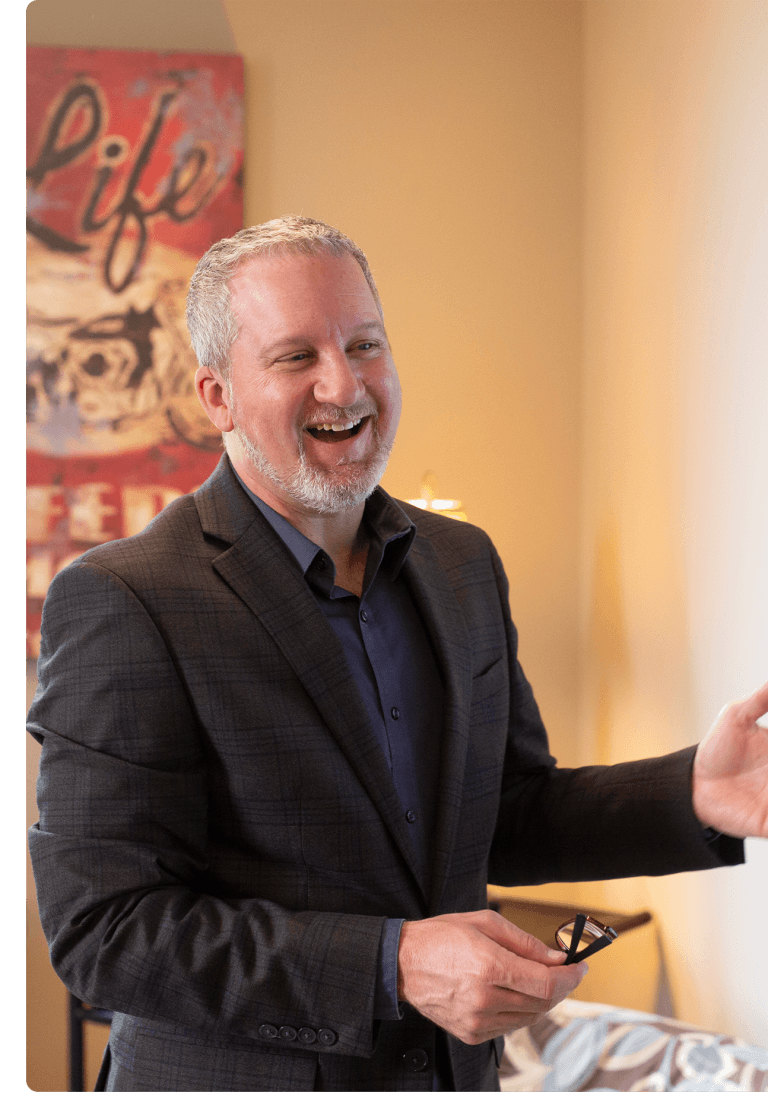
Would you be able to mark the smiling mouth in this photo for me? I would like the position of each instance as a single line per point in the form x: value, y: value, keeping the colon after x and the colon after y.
x: 336, y: 432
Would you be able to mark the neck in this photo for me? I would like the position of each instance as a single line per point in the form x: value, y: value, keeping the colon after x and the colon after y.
x: 341, y: 535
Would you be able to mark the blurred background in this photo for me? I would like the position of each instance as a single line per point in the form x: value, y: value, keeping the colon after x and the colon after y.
x: 564, y: 206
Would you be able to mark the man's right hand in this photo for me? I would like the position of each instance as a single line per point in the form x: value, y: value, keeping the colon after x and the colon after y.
x: 477, y: 976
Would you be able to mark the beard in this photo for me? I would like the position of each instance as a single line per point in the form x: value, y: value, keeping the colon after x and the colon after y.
x: 314, y: 488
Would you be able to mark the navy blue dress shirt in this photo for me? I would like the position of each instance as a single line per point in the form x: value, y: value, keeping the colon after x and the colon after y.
x: 394, y: 666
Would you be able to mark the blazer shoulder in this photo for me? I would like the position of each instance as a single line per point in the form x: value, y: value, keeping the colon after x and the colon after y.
x: 176, y: 527
x: 449, y: 536
x: 192, y: 529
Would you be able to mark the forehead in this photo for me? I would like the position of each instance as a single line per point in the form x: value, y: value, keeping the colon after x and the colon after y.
x: 296, y: 291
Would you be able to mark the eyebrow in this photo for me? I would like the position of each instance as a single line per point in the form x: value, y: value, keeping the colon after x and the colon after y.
x: 301, y: 341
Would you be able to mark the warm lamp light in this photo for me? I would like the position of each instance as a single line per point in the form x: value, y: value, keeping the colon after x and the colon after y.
x: 428, y: 500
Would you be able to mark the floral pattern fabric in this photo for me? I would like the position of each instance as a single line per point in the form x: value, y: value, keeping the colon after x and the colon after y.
x: 582, y: 1046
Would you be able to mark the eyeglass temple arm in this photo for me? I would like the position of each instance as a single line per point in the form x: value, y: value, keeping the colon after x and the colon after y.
x: 598, y: 945
x: 578, y: 928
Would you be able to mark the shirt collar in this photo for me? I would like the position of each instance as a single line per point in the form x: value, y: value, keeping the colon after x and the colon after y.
x: 391, y: 532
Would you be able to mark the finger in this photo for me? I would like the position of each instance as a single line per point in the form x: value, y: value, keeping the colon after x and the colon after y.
x: 507, y: 1022
x: 565, y: 980
x: 756, y: 704
x: 527, y: 946
x: 546, y: 983
x: 555, y: 991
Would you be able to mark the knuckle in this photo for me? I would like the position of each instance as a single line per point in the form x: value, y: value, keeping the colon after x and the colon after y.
x: 475, y: 1030
x: 528, y: 942
x: 548, y: 986
x: 487, y: 917
x: 487, y: 971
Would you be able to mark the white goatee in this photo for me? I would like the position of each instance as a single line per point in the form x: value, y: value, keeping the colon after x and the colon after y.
x: 315, y: 489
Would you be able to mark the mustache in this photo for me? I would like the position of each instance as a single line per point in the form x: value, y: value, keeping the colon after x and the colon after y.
x: 341, y: 415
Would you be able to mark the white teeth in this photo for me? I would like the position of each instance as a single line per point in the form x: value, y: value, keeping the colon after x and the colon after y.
x: 335, y: 426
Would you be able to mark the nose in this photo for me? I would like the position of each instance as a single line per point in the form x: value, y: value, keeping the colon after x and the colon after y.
x: 337, y: 382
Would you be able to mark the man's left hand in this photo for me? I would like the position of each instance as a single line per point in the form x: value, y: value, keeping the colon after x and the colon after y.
x: 730, y: 770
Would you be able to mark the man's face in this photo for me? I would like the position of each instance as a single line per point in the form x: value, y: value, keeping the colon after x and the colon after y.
x: 311, y: 353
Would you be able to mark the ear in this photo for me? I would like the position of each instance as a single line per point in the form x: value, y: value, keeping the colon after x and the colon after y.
x: 213, y: 394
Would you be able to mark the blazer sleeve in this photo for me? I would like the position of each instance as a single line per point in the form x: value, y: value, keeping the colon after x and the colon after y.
x: 121, y: 847
x: 595, y: 822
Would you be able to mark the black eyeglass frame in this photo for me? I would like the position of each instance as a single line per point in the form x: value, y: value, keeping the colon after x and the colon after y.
x: 605, y: 937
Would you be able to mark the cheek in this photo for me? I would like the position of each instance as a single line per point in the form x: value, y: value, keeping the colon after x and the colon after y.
x: 394, y: 401
x: 271, y: 409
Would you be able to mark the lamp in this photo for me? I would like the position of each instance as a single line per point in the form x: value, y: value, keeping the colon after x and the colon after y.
x: 428, y: 500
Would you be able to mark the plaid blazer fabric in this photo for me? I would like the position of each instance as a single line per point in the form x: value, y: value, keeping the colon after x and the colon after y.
x: 220, y: 840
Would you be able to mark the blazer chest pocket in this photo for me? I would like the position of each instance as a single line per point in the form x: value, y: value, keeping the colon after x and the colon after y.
x: 490, y: 694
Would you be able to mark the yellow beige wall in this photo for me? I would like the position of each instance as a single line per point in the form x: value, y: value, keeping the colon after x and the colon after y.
x: 569, y: 394
x: 674, y: 512
x: 444, y: 137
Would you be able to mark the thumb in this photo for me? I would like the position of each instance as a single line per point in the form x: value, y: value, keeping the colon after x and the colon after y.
x: 527, y: 946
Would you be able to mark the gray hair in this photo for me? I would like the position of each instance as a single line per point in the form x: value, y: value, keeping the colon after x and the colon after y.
x: 213, y: 327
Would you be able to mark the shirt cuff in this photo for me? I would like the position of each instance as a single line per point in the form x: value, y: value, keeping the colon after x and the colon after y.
x: 385, y: 1004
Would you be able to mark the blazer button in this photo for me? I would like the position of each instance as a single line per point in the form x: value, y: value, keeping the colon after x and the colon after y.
x: 415, y: 1059
x: 287, y: 1033
x: 307, y: 1035
x: 268, y: 1032
x: 327, y: 1036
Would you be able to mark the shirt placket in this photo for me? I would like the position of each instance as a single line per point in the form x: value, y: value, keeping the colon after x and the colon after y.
x: 394, y: 718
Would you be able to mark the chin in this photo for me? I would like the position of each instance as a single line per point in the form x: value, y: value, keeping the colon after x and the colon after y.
x: 316, y: 490
x: 330, y: 493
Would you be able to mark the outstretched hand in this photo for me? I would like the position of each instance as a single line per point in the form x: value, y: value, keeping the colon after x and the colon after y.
x: 730, y: 770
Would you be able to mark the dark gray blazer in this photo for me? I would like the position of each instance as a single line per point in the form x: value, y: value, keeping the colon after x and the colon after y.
x: 220, y: 840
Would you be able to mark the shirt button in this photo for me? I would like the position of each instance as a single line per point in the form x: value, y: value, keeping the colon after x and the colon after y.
x: 410, y: 816
x: 363, y: 615
x: 395, y: 713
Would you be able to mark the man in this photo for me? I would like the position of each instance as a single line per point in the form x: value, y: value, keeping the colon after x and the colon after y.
x: 287, y: 742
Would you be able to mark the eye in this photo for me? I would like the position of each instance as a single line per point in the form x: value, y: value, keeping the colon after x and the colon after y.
x: 365, y: 347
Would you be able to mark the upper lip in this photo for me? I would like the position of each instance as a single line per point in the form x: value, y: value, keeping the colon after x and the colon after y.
x: 336, y: 422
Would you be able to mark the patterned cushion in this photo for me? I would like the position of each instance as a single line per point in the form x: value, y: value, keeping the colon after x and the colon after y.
x: 583, y: 1046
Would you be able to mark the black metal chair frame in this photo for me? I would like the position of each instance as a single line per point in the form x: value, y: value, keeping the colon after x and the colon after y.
x: 77, y: 1015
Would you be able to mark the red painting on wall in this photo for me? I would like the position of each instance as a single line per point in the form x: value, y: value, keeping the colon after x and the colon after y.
x: 134, y: 169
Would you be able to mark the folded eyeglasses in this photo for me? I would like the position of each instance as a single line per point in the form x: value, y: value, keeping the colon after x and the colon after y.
x: 580, y: 928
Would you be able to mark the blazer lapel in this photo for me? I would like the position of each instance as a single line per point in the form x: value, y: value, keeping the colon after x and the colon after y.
x: 440, y: 611
x: 259, y: 570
